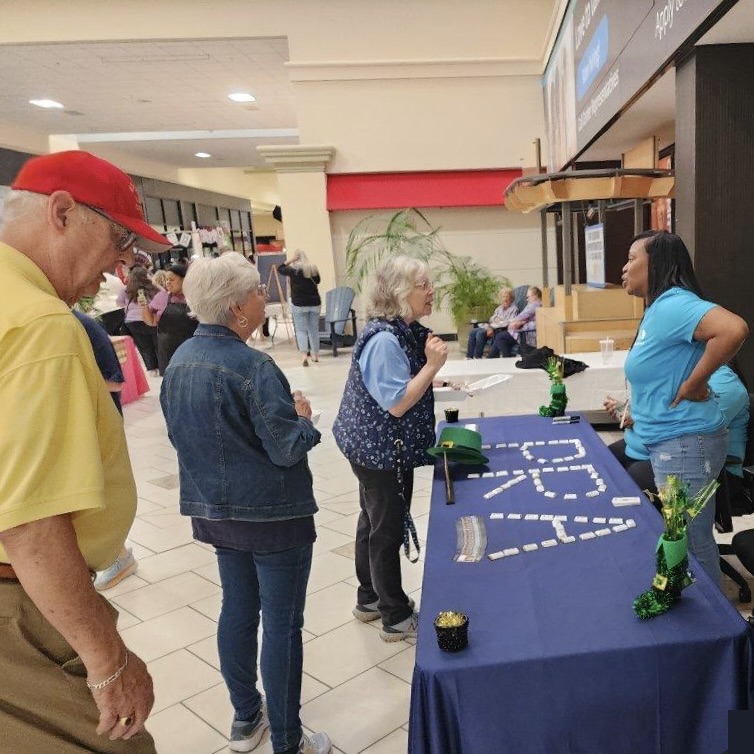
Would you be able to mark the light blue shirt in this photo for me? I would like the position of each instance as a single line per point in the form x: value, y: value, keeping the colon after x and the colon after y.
x: 733, y: 400
x: 662, y: 357
x: 385, y: 369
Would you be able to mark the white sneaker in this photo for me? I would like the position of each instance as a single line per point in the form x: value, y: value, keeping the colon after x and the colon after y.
x: 406, y: 629
x: 317, y: 743
x: 246, y: 736
x: 121, y: 569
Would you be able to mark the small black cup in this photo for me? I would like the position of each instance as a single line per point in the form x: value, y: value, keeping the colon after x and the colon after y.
x: 451, y: 415
x: 453, y: 638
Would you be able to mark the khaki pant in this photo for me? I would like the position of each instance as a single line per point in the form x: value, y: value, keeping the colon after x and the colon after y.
x: 45, y: 705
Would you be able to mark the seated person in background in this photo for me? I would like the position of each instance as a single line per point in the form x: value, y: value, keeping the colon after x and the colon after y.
x: 732, y: 396
x: 505, y: 340
x: 500, y: 318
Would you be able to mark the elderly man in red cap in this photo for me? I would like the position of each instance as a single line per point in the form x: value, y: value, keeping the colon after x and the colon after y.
x: 67, y: 494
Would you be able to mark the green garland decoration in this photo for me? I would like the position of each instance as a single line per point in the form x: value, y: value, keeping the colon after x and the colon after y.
x: 672, y: 575
x: 558, y: 397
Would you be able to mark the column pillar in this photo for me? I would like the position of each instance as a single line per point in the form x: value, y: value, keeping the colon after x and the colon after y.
x: 303, y: 199
x: 714, y: 164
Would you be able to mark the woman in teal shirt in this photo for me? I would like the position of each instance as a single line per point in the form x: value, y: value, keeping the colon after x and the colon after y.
x: 681, y: 341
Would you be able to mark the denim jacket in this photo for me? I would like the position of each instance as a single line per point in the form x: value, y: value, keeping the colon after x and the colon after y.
x: 231, y: 418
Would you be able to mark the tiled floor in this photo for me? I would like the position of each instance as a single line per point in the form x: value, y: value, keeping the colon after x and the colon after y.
x: 356, y: 687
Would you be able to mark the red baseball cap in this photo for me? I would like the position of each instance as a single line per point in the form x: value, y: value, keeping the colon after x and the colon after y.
x: 94, y: 181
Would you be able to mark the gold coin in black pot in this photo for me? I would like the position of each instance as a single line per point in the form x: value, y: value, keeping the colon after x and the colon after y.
x: 452, y: 631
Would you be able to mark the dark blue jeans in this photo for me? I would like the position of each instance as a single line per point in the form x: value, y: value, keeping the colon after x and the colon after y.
x: 476, y: 343
x: 275, y: 583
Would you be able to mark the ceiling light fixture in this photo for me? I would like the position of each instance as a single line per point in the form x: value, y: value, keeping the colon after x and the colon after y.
x: 242, y: 97
x: 203, y: 155
x: 46, y: 103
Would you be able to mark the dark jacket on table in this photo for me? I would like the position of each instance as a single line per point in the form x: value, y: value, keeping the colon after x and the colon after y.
x: 303, y: 290
x: 242, y: 449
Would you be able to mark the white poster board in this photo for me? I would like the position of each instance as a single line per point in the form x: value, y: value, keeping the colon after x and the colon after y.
x: 594, y: 236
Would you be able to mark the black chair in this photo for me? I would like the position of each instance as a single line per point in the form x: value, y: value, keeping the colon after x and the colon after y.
x: 734, y: 497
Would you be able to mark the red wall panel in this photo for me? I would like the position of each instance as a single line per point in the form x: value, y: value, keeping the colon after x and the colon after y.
x: 458, y: 188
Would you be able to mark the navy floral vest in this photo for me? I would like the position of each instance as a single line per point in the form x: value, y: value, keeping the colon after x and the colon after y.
x: 364, y: 432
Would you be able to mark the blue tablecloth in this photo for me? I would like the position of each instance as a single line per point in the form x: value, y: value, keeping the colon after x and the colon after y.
x: 557, y: 661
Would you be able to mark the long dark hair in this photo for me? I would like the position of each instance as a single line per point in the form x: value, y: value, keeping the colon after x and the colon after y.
x: 669, y: 264
x: 138, y: 277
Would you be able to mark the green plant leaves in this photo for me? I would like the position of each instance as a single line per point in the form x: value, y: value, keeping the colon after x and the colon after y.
x: 460, y: 283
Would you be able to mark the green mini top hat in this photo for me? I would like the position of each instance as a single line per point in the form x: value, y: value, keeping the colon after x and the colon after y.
x: 460, y: 445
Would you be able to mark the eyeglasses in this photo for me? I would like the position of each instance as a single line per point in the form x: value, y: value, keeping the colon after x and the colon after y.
x: 122, y: 237
x: 425, y: 285
x: 262, y: 290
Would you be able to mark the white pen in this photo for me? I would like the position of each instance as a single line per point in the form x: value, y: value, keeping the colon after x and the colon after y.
x: 623, y: 416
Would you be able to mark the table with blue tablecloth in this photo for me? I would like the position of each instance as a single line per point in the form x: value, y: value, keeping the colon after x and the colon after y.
x: 557, y: 661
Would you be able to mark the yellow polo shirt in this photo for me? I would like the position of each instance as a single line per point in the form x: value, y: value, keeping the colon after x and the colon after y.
x: 62, y: 444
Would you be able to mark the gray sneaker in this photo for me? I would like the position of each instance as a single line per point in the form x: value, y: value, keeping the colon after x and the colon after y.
x: 317, y: 743
x: 246, y: 736
x: 406, y: 629
x: 368, y: 613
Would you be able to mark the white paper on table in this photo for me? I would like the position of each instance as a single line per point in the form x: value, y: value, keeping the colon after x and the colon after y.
x: 315, y: 417
x: 486, y: 383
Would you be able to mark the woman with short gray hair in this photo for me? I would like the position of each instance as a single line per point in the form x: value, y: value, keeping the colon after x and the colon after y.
x: 384, y: 426
x: 242, y: 440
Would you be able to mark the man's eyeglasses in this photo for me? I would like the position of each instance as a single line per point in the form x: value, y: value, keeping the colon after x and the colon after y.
x: 425, y: 285
x: 122, y: 237
x: 262, y: 290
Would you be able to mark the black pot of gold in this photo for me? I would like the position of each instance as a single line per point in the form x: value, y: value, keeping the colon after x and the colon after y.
x: 452, y: 631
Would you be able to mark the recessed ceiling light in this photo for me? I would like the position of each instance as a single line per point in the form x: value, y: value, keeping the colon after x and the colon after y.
x: 48, y: 103
x: 242, y: 97
x: 203, y: 155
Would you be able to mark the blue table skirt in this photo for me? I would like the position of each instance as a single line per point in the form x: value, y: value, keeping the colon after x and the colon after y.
x: 557, y: 661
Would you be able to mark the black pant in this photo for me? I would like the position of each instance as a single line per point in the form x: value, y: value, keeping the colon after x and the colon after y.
x: 640, y: 471
x: 379, y: 536
x: 145, y: 338
x: 503, y: 343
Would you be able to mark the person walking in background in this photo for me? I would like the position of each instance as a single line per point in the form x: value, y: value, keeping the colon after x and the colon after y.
x: 500, y: 319
x: 139, y: 291
x: 242, y: 441
x: 305, y: 303
x: 682, y: 339
x: 68, y: 683
x: 384, y: 426
x: 169, y: 312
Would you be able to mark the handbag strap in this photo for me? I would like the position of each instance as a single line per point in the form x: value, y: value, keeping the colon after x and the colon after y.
x: 409, y: 529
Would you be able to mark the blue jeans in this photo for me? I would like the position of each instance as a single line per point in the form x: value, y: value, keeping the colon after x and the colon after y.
x: 306, y: 325
x: 275, y: 583
x: 696, y: 460
x: 477, y: 341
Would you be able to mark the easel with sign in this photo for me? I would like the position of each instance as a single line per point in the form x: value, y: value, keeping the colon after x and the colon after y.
x: 284, y: 314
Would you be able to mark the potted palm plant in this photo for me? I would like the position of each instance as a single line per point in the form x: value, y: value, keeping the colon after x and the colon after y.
x: 466, y: 288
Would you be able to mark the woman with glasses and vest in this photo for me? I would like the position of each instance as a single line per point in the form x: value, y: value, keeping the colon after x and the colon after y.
x: 242, y: 439
x: 384, y: 426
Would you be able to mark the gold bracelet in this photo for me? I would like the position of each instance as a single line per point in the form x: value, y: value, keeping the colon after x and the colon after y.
x: 114, y: 677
